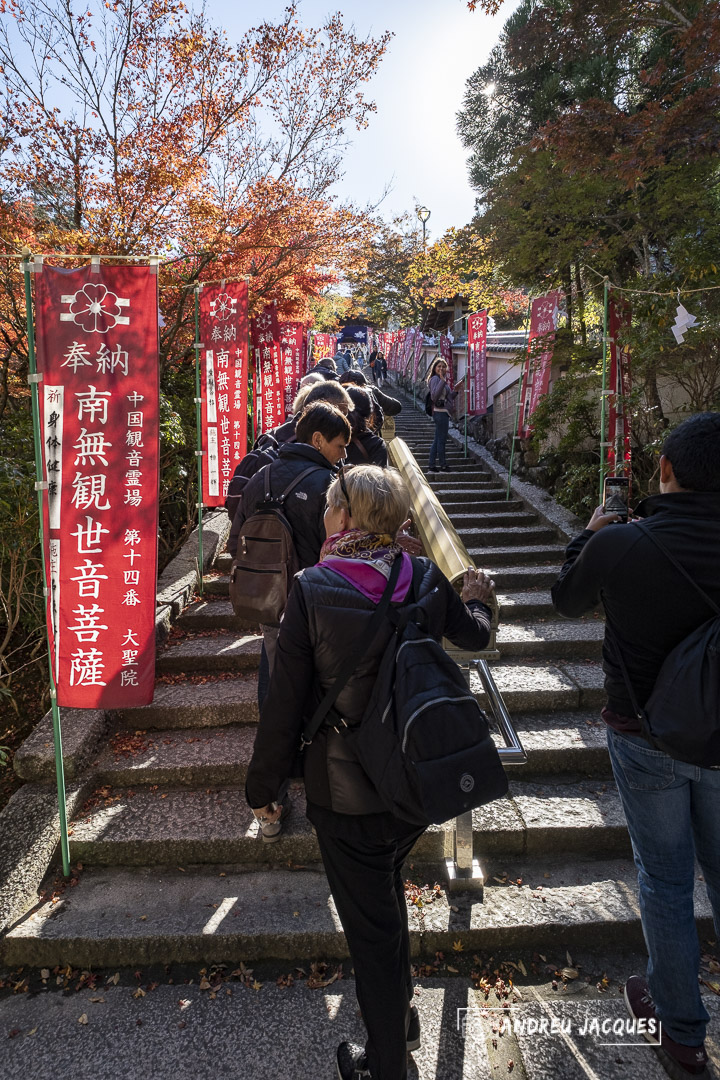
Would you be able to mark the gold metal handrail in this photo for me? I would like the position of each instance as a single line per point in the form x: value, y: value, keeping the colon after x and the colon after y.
x: 438, y: 534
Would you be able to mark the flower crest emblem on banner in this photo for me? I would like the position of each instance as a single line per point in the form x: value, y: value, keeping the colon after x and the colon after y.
x: 95, y: 309
x: 223, y: 307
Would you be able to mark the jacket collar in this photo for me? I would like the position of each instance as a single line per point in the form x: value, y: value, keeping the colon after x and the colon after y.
x: 700, y: 504
x: 306, y: 452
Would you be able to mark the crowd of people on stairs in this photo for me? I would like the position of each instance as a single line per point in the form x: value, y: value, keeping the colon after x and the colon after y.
x: 320, y: 521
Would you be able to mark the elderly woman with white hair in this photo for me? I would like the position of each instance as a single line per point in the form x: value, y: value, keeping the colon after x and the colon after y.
x: 363, y: 845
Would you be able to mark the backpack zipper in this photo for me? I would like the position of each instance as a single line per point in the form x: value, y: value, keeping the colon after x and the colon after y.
x: 435, y: 701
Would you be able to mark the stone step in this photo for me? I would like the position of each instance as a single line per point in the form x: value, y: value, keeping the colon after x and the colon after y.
x: 205, y: 702
x: 471, y: 517
x: 524, y: 605
x: 144, y: 826
x: 223, y: 562
x: 216, y: 585
x: 219, y: 651
x: 525, y: 577
x: 538, y: 686
x: 194, y: 702
x: 523, y: 554
x: 551, y: 638
x: 479, y: 503
x: 571, y: 742
x: 214, y: 615
x: 501, y: 537
x: 448, y: 481
x: 561, y: 742
x: 130, y: 917
x: 447, y: 494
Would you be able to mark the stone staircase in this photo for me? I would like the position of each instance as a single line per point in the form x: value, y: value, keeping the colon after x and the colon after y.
x: 173, y: 868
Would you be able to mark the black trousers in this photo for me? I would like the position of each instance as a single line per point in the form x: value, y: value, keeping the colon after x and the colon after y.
x: 363, y: 857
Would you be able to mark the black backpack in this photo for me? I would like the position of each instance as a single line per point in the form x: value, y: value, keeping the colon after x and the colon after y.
x: 429, y: 403
x: 264, y: 451
x: 423, y: 741
x: 682, y: 715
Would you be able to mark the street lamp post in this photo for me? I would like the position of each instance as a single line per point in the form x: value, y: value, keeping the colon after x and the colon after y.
x: 423, y: 213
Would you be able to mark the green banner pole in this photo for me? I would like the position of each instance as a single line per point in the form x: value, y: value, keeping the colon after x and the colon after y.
x: 40, y: 487
x: 603, y: 395
x: 518, y: 402
x: 199, y: 450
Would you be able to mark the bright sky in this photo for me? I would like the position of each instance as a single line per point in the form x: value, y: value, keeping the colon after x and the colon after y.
x: 411, y: 142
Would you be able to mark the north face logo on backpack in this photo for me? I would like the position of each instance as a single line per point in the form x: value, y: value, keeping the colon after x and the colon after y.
x: 467, y: 782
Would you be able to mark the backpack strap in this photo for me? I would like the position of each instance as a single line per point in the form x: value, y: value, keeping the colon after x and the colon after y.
x: 291, y: 487
x: 356, y: 442
x: 351, y: 663
x: 681, y: 569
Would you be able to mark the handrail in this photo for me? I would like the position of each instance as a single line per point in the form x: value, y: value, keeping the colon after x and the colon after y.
x: 439, y: 536
x: 443, y: 545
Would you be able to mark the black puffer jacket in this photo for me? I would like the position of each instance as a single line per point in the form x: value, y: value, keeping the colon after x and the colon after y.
x: 304, y: 507
x: 325, y: 620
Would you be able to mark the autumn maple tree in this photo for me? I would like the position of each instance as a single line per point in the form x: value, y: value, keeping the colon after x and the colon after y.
x: 136, y: 127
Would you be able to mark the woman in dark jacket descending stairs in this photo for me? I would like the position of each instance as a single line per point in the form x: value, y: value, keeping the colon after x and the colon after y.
x: 363, y: 846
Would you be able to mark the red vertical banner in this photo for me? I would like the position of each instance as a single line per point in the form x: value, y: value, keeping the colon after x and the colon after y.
x: 536, y: 375
x: 619, y: 455
x: 291, y: 349
x: 418, y: 345
x: 446, y: 353
x: 97, y: 346
x: 477, y: 363
x: 224, y: 385
x: 266, y: 345
x: 323, y: 345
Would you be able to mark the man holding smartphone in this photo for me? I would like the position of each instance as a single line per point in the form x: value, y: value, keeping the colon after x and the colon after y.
x: 672, y: 808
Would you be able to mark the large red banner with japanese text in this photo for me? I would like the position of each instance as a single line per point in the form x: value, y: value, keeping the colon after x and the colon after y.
x: 619, y: 452
x: 418, y: 346
x: 292, y: 337
x: 323, y: 345
x: 536, y: 375
x: 477, y: 363
x: 224, y: 385
x: 268, y: 365
x: 97, y: 345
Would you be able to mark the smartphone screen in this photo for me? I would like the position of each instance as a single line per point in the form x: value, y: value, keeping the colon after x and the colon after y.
x: 616, y: 498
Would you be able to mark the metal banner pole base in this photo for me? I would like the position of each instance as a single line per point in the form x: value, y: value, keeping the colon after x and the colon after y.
x: 462, y: 869
x: 60, y: 776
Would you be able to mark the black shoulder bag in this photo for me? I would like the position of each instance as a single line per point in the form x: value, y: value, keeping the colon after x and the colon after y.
x: 682, y: 714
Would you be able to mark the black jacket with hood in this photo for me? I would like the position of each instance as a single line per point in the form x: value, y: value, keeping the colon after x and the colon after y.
x: 649, y: 605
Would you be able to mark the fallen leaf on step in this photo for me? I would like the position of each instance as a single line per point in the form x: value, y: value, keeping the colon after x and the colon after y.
x: 458, y: 946
x: 31, y: 1031
x: 139, y: 993
x: 83, y: 1019
x: 569, y: 973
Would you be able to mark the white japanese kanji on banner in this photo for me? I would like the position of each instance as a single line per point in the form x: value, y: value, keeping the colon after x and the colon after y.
x: 268, y: 365
x: 97, y: 346
x: 477, y: 363
x: 292, y: 336
x: 224, y: 385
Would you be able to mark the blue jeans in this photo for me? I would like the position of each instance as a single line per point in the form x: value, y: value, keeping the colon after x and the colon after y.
x: 673, y: 815
x: 441, y: 420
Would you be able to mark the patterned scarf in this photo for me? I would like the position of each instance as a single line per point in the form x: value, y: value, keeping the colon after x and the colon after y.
x: 365, y: 560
